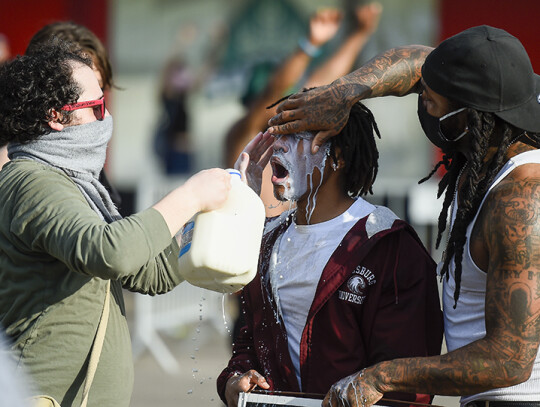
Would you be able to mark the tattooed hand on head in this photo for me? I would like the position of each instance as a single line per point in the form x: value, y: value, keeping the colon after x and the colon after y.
x: 325, y: 110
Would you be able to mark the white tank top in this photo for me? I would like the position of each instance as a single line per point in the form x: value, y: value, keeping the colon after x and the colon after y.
x: 466, y: 323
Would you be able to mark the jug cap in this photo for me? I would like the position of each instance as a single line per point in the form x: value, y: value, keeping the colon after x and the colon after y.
x: 234, y: 172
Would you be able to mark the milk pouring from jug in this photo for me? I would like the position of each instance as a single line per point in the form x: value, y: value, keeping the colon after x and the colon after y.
x: 219, y: 249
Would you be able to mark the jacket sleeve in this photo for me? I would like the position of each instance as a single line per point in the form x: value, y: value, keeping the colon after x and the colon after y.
x: 243, y: 357
x: 158, y: 275
x: 52, y: 217
x: 405, y: 314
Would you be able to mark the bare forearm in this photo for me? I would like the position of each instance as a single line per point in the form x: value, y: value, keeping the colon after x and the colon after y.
x: 475, y: 368
x: 282, y: 79
x: 286, y: 75
x: 205, y: 191
x: 177, y: 208
x: 326, y: 109
x: 395, y: 72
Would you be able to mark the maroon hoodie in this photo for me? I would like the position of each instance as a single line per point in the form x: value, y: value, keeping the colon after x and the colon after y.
x: 377, y: 299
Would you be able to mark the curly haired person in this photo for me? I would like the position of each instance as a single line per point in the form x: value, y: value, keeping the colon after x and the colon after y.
x: 63, y: 245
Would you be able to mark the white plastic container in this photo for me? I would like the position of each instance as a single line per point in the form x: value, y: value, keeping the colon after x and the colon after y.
x: 219, y: 250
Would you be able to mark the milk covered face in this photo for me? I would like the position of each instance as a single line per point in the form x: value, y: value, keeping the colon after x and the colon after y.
x: 293, y: 166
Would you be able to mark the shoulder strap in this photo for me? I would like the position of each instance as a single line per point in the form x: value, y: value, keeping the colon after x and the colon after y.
x: 97, y: 346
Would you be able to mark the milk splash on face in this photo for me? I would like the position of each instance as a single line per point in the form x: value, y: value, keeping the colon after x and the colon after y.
x: 300, y: 168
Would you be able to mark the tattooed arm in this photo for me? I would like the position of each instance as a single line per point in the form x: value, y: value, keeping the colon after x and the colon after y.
x: 510, y: 231
x: 326, y: 109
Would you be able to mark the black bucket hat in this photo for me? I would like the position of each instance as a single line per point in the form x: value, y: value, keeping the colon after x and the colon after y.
x: 487, y: 69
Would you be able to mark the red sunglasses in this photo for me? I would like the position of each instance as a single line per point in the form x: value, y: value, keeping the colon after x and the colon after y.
x: 98, y: 106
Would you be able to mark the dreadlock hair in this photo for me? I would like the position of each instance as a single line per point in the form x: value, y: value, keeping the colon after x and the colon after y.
x: 481, y: 173
x: 357, y: 148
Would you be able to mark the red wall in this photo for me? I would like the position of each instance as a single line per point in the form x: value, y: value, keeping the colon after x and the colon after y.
x: 20, y: 19
x: 521, y: 18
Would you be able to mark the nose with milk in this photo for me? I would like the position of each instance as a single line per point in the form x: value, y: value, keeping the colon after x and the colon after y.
x: 219, y: 249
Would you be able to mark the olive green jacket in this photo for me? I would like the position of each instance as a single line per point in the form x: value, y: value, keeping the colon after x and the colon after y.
x: 55, y: 257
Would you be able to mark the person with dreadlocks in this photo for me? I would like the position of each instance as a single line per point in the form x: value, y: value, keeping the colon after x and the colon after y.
x: 480, y: 103
x: 342, y: 284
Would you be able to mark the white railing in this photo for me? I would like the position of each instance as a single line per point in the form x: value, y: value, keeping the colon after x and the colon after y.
x: 183, y: 306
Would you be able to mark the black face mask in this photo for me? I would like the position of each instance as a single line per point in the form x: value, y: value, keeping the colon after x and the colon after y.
x: 432, y: 127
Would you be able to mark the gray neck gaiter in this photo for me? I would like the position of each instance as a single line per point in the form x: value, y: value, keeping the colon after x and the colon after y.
x: 80, y: 152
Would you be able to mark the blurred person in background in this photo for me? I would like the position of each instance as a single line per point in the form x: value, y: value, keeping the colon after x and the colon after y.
x: 5, y: 55
x: 342, y: 284
x: 171, y: 140
x: 479, y: 101
x: 65, y: 251
x: 5, y: 51
x: 83, y: 39
x: 268, y: 84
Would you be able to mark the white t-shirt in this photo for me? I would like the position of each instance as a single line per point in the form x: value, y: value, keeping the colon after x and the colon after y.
x: 297, y: 265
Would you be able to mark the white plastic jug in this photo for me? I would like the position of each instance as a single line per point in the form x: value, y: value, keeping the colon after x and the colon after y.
x: 219, y: 250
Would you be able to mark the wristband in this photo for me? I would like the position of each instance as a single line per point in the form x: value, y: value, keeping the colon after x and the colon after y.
x: 309, y: 48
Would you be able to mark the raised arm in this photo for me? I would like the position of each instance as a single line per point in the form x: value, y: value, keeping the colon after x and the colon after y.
x: 322, y: 27
x: 342, y: 61
x: 505, y: 356
x: 326, y: 109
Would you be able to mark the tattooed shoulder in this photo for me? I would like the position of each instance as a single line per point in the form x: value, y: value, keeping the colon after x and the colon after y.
x: 513, y: 288
x: 512, y: 222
